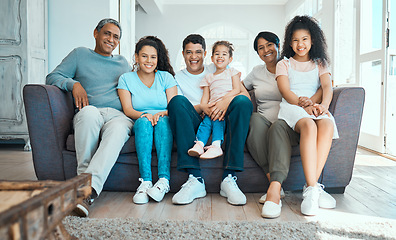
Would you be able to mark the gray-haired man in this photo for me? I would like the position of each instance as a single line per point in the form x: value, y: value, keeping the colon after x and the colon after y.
x: 100, y: 127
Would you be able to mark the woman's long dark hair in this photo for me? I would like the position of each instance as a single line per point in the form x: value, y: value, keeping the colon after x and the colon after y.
x: 163, y: 62
x: 318, y: 52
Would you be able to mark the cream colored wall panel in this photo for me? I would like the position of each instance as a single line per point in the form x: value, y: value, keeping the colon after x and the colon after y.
x: 10, y: 97
x: 23, y: 60
x: 10, y: 22
x: 37, y: 71
x: 37, y: 28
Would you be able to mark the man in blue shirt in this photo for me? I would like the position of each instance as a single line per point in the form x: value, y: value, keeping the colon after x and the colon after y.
x: 100, y: 126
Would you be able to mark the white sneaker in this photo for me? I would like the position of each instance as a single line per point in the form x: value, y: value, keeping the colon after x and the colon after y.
x: 157, y: 192
x: 262, y: 199
x: 140, y: 196
x: 189, y: 191
x: 310, y: 203
x: 325, y: 199
x: 230, y: 190
x: 212, y: 151
x: 271, y: 209
x: 196, y: 151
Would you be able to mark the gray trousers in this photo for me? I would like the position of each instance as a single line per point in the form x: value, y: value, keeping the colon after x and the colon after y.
x: 270, y: 145
x: 99, y: 135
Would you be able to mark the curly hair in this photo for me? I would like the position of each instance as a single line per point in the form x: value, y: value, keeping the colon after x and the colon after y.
x: 223, y: 43
x: 163, y: 62
x: 318, y: 51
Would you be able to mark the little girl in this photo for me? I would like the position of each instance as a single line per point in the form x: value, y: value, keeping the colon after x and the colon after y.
x: 299, y: 75
x: 224, y: 82
x: 144, y: 94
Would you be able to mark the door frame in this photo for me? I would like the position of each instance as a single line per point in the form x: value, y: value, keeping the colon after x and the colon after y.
x: 374, y: 142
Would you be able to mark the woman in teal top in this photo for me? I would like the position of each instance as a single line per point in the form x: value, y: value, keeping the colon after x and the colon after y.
x: 144, y: 94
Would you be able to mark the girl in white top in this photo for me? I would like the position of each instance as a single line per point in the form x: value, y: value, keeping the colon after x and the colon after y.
x: 224, y: 82
x: 302, y: 71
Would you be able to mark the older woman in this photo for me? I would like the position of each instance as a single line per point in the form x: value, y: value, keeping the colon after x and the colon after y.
x: 270, y: 140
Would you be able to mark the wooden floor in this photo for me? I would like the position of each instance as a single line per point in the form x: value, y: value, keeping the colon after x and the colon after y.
x: 371, y: 195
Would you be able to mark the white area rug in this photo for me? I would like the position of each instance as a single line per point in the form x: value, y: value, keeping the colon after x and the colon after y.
x: 130, y: 228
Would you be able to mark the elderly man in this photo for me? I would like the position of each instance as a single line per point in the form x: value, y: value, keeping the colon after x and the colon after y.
x: 100, y: 127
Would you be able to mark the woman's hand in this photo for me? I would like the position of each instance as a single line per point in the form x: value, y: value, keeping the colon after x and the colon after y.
x: 154, y: 118
x: 149, y: 116
x: 304, y: 102
x: 157, y: 116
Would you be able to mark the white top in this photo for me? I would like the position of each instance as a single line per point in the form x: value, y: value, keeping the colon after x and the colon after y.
x: 188, y: 84
x: 266, y: 91
x: 220, y: 84
x: 302, y: 84
x: 282, y: 67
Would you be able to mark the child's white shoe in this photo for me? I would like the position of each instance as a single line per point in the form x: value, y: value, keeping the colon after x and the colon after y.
x: 212, y: 152
x: 196, y: 151
x: 140, y: 196
x: 157, y: 192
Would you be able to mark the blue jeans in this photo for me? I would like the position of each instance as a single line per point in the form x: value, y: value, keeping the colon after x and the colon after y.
x: 185, y: 120
x: 207, y: 127
x: 163, y: 139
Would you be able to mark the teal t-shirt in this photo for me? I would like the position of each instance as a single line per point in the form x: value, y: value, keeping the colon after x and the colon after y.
x: 97, y: 74
x: 147, y: 99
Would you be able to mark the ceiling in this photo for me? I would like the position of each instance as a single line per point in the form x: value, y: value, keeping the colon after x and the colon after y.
x: 155, y: 6
x: 228, y: 2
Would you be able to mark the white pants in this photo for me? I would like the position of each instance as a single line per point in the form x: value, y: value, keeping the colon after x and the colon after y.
x: 99, y: 135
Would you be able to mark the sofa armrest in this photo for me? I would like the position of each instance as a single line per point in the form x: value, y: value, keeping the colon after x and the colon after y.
x: 347, y: 109
x: 49, y: 113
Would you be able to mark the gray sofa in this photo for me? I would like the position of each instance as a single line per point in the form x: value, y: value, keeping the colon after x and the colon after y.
x: 50, y: 112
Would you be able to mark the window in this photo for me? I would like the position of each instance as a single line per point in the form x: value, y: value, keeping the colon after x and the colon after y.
x: 345, y: 43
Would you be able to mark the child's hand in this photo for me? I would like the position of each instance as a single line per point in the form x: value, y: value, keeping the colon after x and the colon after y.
x: 206, y: 108
x: 321, y: 109
x: 304, y: 102
x: 311, y: 110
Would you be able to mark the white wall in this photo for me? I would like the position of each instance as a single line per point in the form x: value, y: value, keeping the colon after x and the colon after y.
x: 327, y: 18
x: 177, y: 21
x: 71, y: 24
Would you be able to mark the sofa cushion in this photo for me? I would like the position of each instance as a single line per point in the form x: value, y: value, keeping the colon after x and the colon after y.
x: 129, y: 146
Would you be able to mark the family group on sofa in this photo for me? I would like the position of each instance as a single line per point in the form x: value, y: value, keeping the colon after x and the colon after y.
x: 199, y: 108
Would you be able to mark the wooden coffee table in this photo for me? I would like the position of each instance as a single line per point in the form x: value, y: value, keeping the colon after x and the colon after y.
x: 35, y: 209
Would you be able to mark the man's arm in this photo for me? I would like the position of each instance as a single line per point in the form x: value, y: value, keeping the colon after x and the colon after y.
x: 62, y: 77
